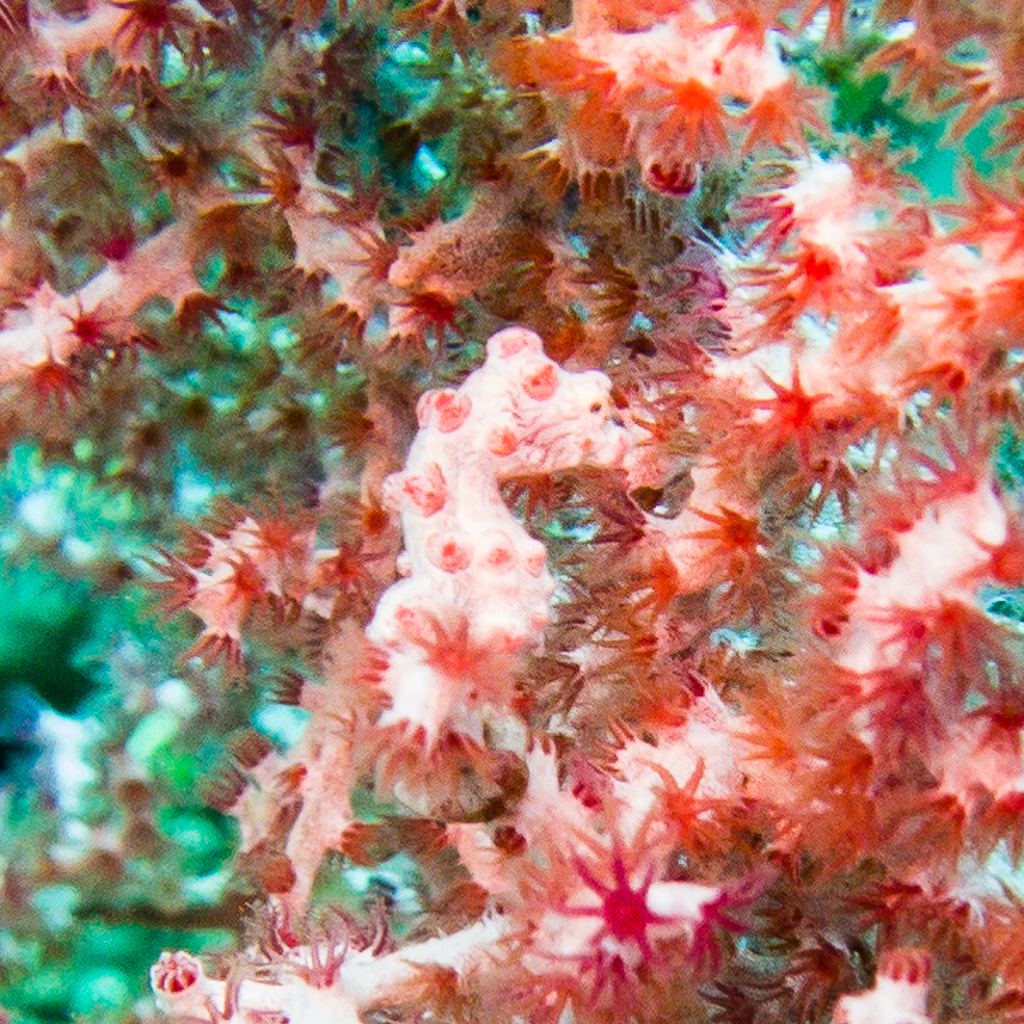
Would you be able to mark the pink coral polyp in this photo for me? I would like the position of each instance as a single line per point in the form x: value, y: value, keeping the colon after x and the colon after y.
x: 174, y: 973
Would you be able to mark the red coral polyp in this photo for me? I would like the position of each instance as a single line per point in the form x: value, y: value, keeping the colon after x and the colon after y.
x: 623, y: 913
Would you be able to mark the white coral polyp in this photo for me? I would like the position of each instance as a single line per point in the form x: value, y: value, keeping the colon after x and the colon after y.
x: 943, y: 557
x: 896, y: 999
x: 181, y: 986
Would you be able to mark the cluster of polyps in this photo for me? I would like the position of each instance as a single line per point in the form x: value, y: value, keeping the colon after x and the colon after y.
x: 586, y: 911
x: 662, y: 92
x: 473, y: 575
x: 234, y: 569
x: 314, y: 984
